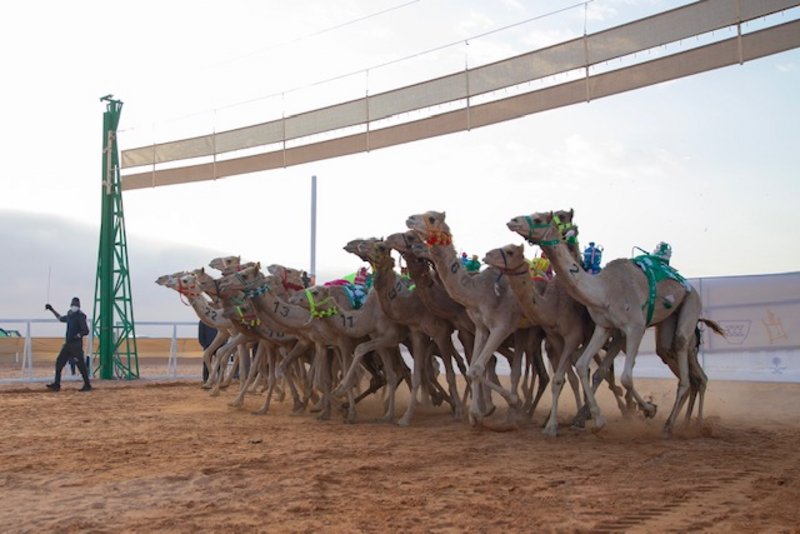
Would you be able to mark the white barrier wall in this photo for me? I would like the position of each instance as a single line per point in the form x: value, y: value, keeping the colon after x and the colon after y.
x: 761, y: 318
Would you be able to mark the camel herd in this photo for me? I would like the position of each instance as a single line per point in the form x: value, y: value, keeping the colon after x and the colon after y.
x: 321, y: 344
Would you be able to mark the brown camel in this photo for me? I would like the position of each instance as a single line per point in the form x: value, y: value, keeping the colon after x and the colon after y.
x: 565, y: 321
x: 207, y: 311
x: 402, y: 304
x: 619, y: 298
x: 433, y: 294
x: 252, y: 330
x: 297, y: 320
x: 490, y: 304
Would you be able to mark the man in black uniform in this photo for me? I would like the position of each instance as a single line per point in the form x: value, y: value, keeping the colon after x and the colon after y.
x: 73, y: 343
x: 205, y: 335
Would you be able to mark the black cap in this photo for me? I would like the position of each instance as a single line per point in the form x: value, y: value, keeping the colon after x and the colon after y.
x: 76, y: 302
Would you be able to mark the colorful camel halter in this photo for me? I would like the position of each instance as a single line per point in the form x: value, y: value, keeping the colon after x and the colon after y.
x: 251, y: 288
x: 510, y: 271
x: 564, y: 228
x: 656, y: 269
x: 256, y: 292
x: 537, y: 226
x: 189, y: 291
x: 244, y: 313
x: 316, y: 313
x: 436, y: 236
x: 289, y: 286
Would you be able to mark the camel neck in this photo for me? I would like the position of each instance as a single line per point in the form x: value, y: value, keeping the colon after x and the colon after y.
x: 452, y: 273
x: 579, y: 284
x: 537, y: 307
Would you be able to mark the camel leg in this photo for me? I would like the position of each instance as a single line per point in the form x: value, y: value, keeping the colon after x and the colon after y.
x: 389, y: 357
x: 271, y: 381
x: 536, y: 359
x: 221, y: 362
x: 477, y: 372
x: 599, y: 337
x: 419, y: 354
x: 700, y: 382
x: 251, y: 376
x: 684, y: 334
x: 322, y: 379
x: 300, y: 348
x: 605, y: 371
x: 218, y: 341
x: 562, y: 366
x: 478, y: 403
x: 633, y: 338
x: 449, y: 353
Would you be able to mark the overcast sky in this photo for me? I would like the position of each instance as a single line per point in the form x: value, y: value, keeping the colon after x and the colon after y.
x: 708, y: 163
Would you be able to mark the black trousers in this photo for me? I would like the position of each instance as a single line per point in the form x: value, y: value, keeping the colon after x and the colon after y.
x: 69, y: 351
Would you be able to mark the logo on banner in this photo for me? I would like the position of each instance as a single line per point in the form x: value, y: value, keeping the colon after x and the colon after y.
x: 774, y: 326
x: 777, y: 368
x: 735, y: 331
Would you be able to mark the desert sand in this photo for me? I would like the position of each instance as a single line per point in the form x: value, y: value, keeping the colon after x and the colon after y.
x: 164, y: 456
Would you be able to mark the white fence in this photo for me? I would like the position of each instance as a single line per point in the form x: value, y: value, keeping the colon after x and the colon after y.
x: 20, y: 364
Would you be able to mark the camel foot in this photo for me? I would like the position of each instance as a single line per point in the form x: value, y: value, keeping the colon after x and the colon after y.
x: 388, y: 418
x: 235, y: 403
x: 666, y: 433
x: 599, y: 423
x: 324, y: 416
x: 578, y: 422
x: 551, y: 431
x: 298, y: 408
x: 206, y: 386
x: 214, y: 392
x: 404, y: 421
x: 474, y: 418
x: 649, y: 410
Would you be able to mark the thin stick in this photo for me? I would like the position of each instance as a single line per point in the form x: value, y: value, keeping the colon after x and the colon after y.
x: 49, y: 269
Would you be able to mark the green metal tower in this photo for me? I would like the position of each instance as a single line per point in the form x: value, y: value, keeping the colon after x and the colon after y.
x: 113, y: 322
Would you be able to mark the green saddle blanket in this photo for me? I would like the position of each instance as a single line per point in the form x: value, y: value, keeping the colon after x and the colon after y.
x: 657, y: 270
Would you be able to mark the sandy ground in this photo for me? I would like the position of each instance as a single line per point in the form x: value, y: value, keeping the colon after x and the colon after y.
x: 146, y: 456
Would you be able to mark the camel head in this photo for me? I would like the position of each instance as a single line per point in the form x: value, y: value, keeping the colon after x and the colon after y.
x: 536, y: 228
x: 431, y: 228
x: 403, y: 242
x: 184, y: 283
x: 359, y: 247
x: 292, y: 279
x: 163, y: 279
x: 206, y: 282
x: 242, y: 280
x: 226, y: 264
x: 377, y: 253
x: 352, y: 246
x: 508, y: 259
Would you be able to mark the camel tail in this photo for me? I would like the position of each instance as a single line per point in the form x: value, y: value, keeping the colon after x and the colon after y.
x: 713, y: 326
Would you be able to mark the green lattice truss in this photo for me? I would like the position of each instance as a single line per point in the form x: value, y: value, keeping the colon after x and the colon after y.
x: 113, y: 323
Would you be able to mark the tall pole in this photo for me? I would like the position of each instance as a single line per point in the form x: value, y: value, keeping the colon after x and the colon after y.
x: 112, y: 322
x: 313, y: 267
